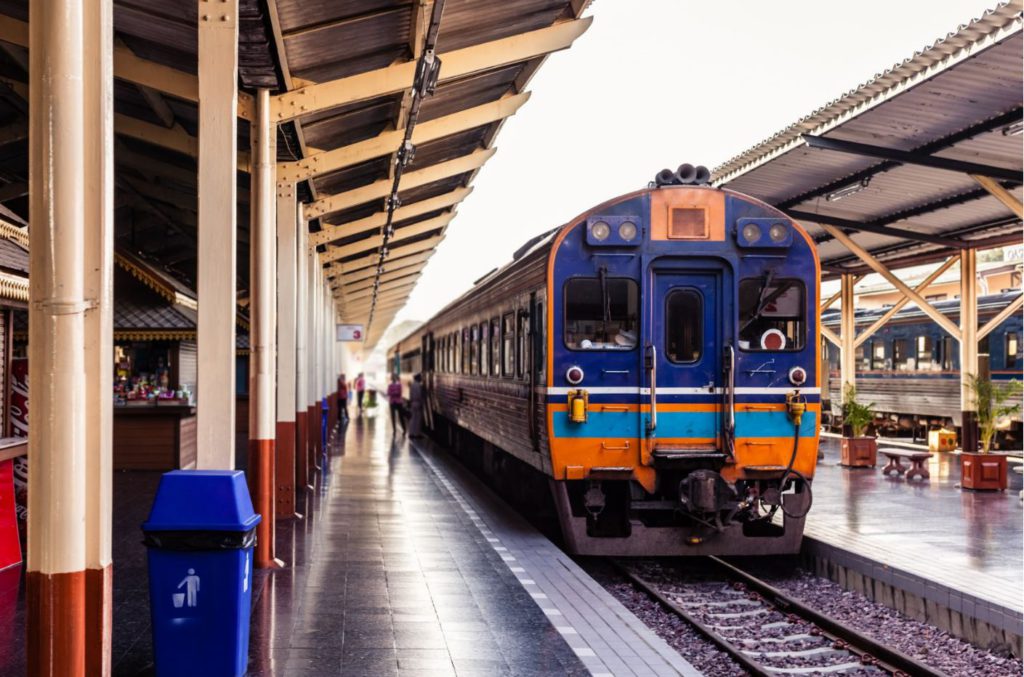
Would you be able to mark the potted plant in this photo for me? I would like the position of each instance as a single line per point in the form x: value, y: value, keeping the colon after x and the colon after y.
x: 982, y: 469
x: 858, y: 450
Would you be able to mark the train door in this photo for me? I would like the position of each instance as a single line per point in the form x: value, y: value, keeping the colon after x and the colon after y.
x: 684, y: 364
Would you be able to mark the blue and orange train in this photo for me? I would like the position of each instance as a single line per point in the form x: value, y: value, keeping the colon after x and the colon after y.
x: 656, y: 359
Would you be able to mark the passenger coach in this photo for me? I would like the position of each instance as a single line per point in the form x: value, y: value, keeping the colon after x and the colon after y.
x: 656, y: 358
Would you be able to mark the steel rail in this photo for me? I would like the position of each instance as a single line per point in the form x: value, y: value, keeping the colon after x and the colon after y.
x: 869, y: 651
x: 888, y: 659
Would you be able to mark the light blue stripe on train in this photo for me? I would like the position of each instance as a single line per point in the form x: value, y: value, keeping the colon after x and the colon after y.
x: 684, y: 424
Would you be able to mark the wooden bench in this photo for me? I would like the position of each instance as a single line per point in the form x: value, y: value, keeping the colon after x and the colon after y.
x: 916, y: 458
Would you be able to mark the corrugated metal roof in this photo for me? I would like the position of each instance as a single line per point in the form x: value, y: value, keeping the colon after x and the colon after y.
x: 951, y: 100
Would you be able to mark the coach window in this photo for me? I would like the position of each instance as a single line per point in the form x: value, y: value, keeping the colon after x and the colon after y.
x: 946, y: 353
x: 925, y: 354
x: 601, y: 313
x: 523, y: 350
x: 771, y: 314
x: 1012, y: 348
x: 495, y: 347
x: 481, y: 367
x: 684, y: 331
x: 508, y: 345
x: 879, y: 362
x: 474, y: 347
x: 862, y: 358
x: 901, y: 360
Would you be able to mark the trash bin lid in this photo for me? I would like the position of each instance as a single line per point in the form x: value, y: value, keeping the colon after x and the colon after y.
x: 202, y: 500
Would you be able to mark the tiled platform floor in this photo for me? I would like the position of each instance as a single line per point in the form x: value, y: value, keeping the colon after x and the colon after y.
x: 395, y: 579
x: 966, y: 540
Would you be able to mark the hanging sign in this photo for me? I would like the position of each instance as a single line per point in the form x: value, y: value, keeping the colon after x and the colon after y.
x: 350, y: 332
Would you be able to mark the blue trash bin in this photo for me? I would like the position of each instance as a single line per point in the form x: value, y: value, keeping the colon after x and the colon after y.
x: 200, y: 536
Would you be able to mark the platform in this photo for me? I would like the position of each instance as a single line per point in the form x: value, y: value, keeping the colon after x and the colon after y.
x: 959, y: 548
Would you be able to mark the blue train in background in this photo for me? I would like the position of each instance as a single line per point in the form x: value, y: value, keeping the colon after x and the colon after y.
x: 910, y: 368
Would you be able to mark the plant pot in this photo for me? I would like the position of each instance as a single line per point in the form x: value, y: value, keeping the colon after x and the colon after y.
x: 983, y: 472
x: 858, y: 452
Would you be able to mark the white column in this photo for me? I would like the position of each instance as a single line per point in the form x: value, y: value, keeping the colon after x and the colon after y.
x: 262, y: 297
x: 287, y: 299
x: 968, y: 348
x: 302, y: 353
x: 848, y: 329
x: 218, y: 107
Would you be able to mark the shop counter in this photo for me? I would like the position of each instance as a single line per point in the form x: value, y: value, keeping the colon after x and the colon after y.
x: 154, y: 437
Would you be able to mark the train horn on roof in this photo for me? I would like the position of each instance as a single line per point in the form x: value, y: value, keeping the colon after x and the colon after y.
x: 703, y: 176
x: 666, y: 177
x: 686, y: 173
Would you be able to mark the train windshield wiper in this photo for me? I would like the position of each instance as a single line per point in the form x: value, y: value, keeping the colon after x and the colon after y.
x: 763, y: 299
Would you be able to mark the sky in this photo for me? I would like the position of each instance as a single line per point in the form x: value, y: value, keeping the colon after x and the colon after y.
x: 653, y: 84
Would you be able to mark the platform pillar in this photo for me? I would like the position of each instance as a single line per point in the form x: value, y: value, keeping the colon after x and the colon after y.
x: 301, y: 403
x: 287, y: 234
x: 848, y: 336
x: 262, y: 306
x: 70, y: 337
x: 313, y: 401
x: 217, y: 204
x: 968, y: 348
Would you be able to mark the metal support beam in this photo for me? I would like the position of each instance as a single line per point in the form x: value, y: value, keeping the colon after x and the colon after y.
x: 1006, y: 313
x: 457, y: 63
x: 832, y: 337
x: 379, y: 220
x: 1000, y: 193
x: 382, y: 188
x: 410, y: 271
x: 348, y: 276
x: 68, y: 592
x: 375, y: 241
x: 911, y: 158
x: 835, y: 297
x: 877, y: 228
x: 848, y: 330
x: 287, y: 216
x: 880, y: 268
x: 968, y: 349
x: 384, y: 143
x: 920, y: 288
x: 261, y: 471
x: 396, y: 253
x: 218, y: 152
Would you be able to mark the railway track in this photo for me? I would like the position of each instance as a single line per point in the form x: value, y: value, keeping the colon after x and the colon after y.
x: 769, y: 633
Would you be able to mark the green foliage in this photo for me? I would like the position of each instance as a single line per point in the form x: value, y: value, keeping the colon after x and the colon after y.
x: 994, y: 403
x: 856, y: 414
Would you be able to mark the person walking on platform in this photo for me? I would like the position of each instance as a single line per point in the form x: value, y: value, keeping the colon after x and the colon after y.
x: 360, y: 389
x: 416, y: 407
x: 342, y: 397
x: 395, y: 403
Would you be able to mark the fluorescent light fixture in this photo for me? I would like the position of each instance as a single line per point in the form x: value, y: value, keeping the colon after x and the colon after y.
x: 1014, y: 128
x: 847, y: 190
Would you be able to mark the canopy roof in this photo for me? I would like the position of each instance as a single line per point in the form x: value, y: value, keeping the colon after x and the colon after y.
x: 344, y: 74
x: 909, y: 165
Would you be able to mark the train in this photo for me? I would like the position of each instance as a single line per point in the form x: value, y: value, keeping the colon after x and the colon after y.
x: 910, y: 368
x: 652, y: 366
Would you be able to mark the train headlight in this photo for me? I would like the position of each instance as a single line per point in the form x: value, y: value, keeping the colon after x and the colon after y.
x: 798, y: 376
x: 751, y: 232
x: 574, y: 375
x: 778, y: 232
x: 627, y: 230
x: 600, y: 231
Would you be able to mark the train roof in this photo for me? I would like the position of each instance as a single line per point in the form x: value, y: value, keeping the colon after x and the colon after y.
x: 989, y: 302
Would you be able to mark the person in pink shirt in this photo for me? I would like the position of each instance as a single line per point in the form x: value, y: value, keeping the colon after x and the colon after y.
x: 360, y: 385
x: 395, y: 402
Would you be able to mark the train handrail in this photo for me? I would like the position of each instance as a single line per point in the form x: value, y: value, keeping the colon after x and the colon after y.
x: 652, y: 370
x: 730, y: 400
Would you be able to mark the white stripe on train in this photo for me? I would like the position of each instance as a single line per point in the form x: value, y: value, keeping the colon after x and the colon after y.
x: 601, y: 390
